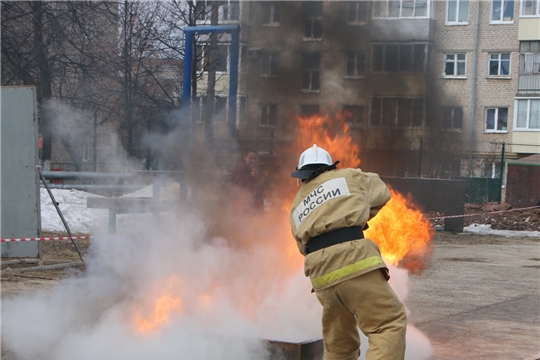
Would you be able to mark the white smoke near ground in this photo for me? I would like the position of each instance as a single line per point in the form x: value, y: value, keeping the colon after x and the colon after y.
x: 231, y: 297
x: 233, y: 291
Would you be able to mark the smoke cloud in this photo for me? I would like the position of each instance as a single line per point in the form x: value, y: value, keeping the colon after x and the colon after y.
x: 204, y: 282
x: 232, y: 291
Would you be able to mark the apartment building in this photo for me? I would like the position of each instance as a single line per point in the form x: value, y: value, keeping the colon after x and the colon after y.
x: 431, y: 88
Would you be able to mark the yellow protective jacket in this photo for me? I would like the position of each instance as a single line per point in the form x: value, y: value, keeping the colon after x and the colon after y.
x: 333, y: 200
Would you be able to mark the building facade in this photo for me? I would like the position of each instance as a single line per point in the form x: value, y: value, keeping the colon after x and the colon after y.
x: 429, y: 88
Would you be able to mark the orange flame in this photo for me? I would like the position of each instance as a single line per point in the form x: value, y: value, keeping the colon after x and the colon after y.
x: 402, y: 232
x: 159, y: 315
x: 332, y: 134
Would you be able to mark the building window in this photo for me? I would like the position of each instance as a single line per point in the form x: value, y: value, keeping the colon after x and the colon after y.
x: 452, y: 117
x: 309, y: 110
x: 354, y: 115
x: 400, y: 8
x: 270, y: 13
x: 455, y: 64
x: 216, y: 62
x: 241, y: 113
x: 499, y: 64
x: 311, y: 72
x: 268, y: 115
x: 202, y: 10
x: 220, y: 109
x: 496, y: 119
x: 502, y: 11
x: 457, y: 12
x: 356, y: 64
x: 230, y: 11
x: 527, y: 114
x: 313, y: 21
x: 529, y: 57
x: 530, y: 7
x: 357, y: 12
x: 397, y: 112
x: 269, y: 64
x: 399, y: 58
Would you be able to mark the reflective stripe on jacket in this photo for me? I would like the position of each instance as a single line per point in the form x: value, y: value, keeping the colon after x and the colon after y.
x: 333, y: 200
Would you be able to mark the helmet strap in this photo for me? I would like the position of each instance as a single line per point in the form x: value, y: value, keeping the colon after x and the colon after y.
x: 321, y: 170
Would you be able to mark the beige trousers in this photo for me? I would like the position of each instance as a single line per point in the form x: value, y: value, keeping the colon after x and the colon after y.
x: 369, y: 302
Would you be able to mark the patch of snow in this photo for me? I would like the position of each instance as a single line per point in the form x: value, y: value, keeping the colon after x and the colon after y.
x: 485, y: 229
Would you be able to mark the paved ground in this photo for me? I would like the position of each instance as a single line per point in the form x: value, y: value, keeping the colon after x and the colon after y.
x: 480, y: 298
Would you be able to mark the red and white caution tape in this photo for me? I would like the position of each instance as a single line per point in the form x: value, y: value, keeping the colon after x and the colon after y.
x: 486, y: 213
x: 45, y: 238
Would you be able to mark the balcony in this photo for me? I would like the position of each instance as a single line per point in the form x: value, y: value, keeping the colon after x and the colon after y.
x: 402, y: 29
x: 529, y: 85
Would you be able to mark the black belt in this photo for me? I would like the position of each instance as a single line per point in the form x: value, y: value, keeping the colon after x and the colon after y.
x: 334, y: 237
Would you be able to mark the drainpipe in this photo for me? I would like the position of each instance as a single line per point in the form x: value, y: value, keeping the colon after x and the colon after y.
x: 502, y: 171
x: 473, y: 104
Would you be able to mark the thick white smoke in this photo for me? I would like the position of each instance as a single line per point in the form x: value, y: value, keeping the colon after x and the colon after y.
x: 231, y: 291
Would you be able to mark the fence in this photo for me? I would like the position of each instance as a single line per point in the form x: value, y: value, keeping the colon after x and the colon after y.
x: 482, y: 190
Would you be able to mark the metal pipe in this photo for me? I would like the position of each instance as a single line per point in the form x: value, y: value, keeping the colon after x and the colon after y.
x: 233, y: 81
x: 473, y: 90
x: 420, y: 158
x: 94, y: 166
x: 188, y: 65
x: 75, y: 175
x: 46, y: 267
x: 90, y: 188
x: 502, y: 170
x: 59, y: 212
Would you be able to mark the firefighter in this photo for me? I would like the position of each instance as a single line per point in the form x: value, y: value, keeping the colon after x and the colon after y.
x: 347, y: 272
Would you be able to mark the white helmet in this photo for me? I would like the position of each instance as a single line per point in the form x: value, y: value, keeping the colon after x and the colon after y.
x: 312, y: 156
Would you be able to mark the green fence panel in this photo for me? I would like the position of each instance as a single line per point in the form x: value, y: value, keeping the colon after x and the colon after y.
x: 482, y: 190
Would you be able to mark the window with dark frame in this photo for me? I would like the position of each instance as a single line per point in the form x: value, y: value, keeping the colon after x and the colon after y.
x: 269, y: 64
x: 309, y: 110
x: 311, y: 63
x: 271, y: 13
x: 397, y: 112
x: 356, y: 64
x: 399, y: 58
x: 268, y: 115
x: 452, y: 117
x: 497, y: 119
x: 357, y: 12
x: 313, y: 19
x: 354, y: 115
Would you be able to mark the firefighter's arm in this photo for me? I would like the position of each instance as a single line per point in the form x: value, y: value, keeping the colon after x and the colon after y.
x: 378, y: 193
x: 301, y: 247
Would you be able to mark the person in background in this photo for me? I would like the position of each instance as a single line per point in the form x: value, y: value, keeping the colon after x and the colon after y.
x: 246, y: 177
x: 348, y: 274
